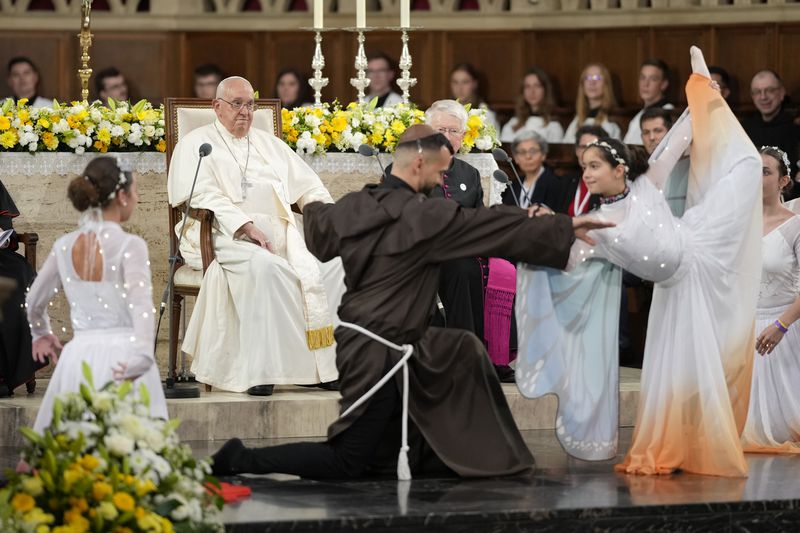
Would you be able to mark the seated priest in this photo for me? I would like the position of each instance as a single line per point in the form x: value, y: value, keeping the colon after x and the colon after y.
x: 265, y: 312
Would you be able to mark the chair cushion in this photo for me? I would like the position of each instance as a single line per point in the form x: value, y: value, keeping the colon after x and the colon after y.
x: 188, y: 277
x: 190, y: 118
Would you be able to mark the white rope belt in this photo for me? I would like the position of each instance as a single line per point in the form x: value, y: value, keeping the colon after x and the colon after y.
x: 403, y: 470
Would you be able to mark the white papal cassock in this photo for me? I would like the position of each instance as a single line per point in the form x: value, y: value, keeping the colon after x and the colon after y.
x: 260, y: 318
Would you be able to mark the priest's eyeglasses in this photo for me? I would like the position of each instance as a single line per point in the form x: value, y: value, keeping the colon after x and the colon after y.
x: 452, y: 131
x: 251, y: 106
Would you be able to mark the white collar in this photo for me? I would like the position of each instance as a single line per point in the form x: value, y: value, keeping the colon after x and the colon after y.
x: 228, y: 136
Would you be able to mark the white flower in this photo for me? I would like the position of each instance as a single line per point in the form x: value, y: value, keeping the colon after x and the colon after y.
x: 73, y: 428
x: 484, y: 143
x: 117, y: 131
x: 118, y: 444
x: 313, y: 121
x: 355, y: 122
x: 149, y: 131
x: 97, y: 117
x: 61, y: 126
x: 103, y: 401
x: 80, y: 150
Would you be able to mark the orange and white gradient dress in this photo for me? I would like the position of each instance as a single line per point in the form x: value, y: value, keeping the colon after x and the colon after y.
x: 699, y: 351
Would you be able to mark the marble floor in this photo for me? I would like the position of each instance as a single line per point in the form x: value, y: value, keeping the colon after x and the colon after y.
x: 563, y: 494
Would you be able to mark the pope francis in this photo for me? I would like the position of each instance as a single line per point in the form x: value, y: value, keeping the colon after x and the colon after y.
x: 266, y: 307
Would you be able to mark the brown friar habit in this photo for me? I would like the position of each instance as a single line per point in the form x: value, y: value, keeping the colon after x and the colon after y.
x: 391, y: 241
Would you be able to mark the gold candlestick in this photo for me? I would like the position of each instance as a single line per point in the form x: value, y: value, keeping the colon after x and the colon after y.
x: 85, y: 39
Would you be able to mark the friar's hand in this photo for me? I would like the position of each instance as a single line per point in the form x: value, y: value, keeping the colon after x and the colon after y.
x: 582, y: 226
x: 256, y: 236
x: 539, y: 210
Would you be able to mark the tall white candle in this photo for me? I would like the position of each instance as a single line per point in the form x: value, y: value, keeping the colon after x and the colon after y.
x: 318, y: 14
x: 405, y: 13
x: 361, y: 13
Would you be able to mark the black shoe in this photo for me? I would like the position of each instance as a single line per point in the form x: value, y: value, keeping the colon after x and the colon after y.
x: 330, y: 385
x: 261, y: 390
x: 504, y: 373
x: 223, y: 460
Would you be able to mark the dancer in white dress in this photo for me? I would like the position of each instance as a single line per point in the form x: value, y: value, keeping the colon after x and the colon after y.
x: 773, y: 420
x: 706, y: 266
x: 105, y: 276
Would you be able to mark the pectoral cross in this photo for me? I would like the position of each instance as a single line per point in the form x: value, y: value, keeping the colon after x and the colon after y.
x: 245, y: 185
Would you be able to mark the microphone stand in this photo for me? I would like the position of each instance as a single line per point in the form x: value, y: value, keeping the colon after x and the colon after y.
x: 170, y: 388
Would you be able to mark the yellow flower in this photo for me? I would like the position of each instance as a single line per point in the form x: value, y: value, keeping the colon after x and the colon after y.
x: 37, y: 516
x: 123, y: 501
x: 90, y: 462
x: 73, y: 122
x: 149, y: 522
x: 166, y: 525
x: 398, y: 127
x: 107, y: 511
x: 104, y: 136
x: 74, y: 518
x: 161, y: 146
x: 50, y: 140
x: 43, y: 123
x: 122, y: 529
x: 23, y: 502
x: 43, y: 529
x: 79, y: 503
x: 145, y: 487
x: 33, y: 485
x: 339, y: 123
x: 474, y: 122
x: 100, y: 490
x: 5, y: 123
x: 8, y: 139
x: 21, y: 102
x: 148, y: 115
x: 376, y: 138
x: 101, y: 146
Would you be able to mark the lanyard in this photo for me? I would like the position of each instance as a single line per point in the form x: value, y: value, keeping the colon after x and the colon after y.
x: 578, y: 206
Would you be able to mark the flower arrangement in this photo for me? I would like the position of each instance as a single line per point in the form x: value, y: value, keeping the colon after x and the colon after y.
x: 311, y: 130
x: 81, y: 127
x: 124, y: 127
x: 106, y: 465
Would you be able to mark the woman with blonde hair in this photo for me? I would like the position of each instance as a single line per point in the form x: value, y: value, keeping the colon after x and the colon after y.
x: 534, y: 109
x: 594, y: 102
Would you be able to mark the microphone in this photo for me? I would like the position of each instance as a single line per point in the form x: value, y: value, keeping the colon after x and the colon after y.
x: 203, y: 151
x: 501, y: 177
x: 368, y: 151
x: 501, y: 156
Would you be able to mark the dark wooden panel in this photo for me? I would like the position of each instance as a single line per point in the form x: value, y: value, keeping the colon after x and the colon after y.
x: 144, y: 59
x: 562, y: 55
x: 671, y: 45
x: 622, y: 51
x: 420, y: 48
x: 788, y: 47
x: 234, y: 53
x: 743, y: 51
x: 498, y: 56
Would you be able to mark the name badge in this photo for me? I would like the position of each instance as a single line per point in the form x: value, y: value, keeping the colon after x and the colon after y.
x: 463, y: 187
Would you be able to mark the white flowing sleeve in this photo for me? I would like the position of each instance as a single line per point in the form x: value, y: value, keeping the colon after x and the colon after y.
x: 136, y: 278
x: 44, y: 288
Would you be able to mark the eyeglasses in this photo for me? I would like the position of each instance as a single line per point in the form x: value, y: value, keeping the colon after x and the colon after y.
x: 452, y: 131
x: 251, y: 106
x: 533, y: 152
x: 593, y: 77
x: 769, y: 91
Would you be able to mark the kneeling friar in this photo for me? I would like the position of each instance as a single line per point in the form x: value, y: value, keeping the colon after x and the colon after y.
x: 265, y: 311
